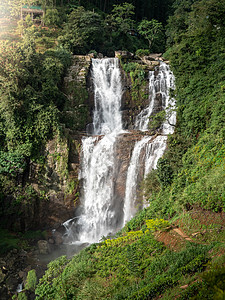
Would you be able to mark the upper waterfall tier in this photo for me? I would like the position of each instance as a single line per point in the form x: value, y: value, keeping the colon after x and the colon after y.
x: 161, y: 81
x: 107, y: 91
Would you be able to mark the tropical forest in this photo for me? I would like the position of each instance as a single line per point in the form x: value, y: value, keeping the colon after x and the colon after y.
x: 112, y: 149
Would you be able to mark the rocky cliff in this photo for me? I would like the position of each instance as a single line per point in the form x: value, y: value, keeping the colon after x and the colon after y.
x: 52, y: 184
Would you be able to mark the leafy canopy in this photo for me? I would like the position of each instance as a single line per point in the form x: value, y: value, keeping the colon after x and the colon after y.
x: 150, y: 30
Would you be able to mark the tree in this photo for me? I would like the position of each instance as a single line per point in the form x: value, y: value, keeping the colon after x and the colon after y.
x: 119, y: 27
x: 150, y: 30
x: 121, y: 17
x: 52, y: 17
x: 82, y: 32
x: 30, y: 96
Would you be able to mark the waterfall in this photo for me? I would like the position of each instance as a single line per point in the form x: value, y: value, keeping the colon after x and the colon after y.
x: 160, y: 84
x: 105, y: 206
x: 97, y: 172
x: 132, y: 180
x: 98, y: 166
x: 107, y: 91
x: 167, y: 84
x: 153, y: 149
x: 159, y: 87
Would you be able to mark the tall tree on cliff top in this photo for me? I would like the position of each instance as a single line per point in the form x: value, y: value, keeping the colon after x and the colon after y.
x: 150, y: 30
x: 149, y: 9
x: 82, y: 32
x: 119, y: 23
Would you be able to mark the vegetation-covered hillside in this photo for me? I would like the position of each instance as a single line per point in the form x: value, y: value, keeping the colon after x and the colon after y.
x: 174, y: 249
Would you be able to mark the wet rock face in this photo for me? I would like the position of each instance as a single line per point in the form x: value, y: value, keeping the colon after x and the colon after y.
x: 40, y: 214
x: 43, y: 247
x: 57, y: 181
x: 131, y: 107
x: 124, y: 148
x: 152, y: 60
x: 123, y: 54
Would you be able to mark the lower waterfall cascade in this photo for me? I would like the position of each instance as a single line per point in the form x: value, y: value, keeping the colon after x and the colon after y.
x: 102, y: 211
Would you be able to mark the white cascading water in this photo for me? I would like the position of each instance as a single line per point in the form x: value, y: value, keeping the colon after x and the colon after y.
x: 97, y: 169
x: 167, y: 84
x: 154, y: 151
x: 161, y: 83
x: 132, y: 179
x: 98, y: 166
x: 108, y: 91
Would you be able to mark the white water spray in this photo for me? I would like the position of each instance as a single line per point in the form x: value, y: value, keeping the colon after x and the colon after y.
x: 154, y: 151
x: 159, y: 86
x: 107, y: 90
x: 132, y: 179
x: 98, y: 166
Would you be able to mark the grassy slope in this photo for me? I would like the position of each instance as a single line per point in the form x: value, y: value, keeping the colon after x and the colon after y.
x: 155, y: 261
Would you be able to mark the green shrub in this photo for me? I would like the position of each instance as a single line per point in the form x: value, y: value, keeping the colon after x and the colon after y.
x: 142, y: 52
x: 164, y: 172
x: 8, y: 241
x: 22, y: 296
x: 196, y: 265
x: 157, y: 224
x: 31, y: 280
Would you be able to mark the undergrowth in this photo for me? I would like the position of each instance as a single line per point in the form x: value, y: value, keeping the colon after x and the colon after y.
x: 133, y: 265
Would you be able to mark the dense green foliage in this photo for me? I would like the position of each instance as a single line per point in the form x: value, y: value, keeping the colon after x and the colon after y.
x: 30, y: 96
x: 132, y: 266
x: 82, y: 26
x: 31, y: 101
x: 31, y: 281
x: 195, y: 158
x: 143, y: 9
x: 82, y: 32
x: 138, y: 75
